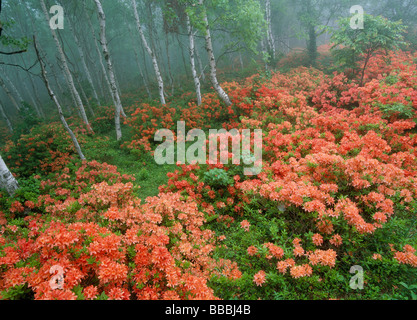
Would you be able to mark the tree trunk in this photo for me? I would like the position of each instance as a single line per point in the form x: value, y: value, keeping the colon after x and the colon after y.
x: 151, y: 54
x: 145, y: 82
x: 212, y: 60
x: 271, y: 42
x: 55, y: 100
x: 183, y: 56
x: 35, y: 105
x: 106, y: 53
x: 3, y: 114
x: 84, y: 64
x: 100, y: 59
x: 87, y: 102
x: 169, y: 64
x: 9, y: 94
x: 312, y: 45
x: 14, y: 89
x: 69, y: 77
x: 200, y: 66
x: 192, y: 60
x: 7, y: 180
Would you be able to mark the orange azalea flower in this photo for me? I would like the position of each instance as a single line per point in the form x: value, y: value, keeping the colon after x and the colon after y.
x: 259, y: 278
x: 317, y: 239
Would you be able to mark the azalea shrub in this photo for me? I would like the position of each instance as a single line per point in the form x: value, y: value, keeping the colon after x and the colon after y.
x: 337, y: 190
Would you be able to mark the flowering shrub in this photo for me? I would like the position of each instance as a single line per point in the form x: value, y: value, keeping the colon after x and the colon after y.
x: 337, y: 189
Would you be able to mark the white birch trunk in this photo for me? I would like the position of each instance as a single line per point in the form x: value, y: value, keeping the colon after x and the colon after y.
x: 100, y: 59
x: 212, y: 60
x: 112, y: 79
x: 271, y: 41
x: 69, y: 77
x: 192, y: 60
x: 57, y: 104
x: 103, y: 68
x: 151, y: 54
x: 7, y: 180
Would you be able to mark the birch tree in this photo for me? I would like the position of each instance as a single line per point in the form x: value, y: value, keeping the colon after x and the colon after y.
x: 7, y: 180
x: 192, y: 60
x: 151, y: 53
x: 56, y: 102
x: 212, y: 60
x: 67, y: 71
x: 112, y: 79
x: 271, y: 41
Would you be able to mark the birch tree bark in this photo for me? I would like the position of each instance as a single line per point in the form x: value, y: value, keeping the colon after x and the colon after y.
x: 103, y: 68
x: 7, y: 180
x: 69, y: 77
x: 192, y: 60
x: 100, y: 59
x: 112, y: 79
x: 57, y: 104
x: 271, y: 42
x: 6, y: 118
x: 151, y: 53
x: 212, y: 60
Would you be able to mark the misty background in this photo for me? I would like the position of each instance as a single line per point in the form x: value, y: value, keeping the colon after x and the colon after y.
x: 247, y: 35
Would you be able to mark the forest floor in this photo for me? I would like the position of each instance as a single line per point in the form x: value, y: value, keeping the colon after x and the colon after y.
x: 337, y: 191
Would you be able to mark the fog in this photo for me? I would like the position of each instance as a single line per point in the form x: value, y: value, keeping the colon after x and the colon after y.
x: 245, y: 34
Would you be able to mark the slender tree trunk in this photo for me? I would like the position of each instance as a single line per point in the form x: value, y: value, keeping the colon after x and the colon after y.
x: 35, y: 105
x: 145, y: 64
x: 182, y: 55
x: 312, y: 45
x: 192, y: 60
x: 265, y: 52
x: 212, y: 60
x: 55, y: 100
x: 71, y: 92
x: 87, y: 102
x: 169, y: 64
x: 145, y: 82
x: 112, y: 79
x: 60, y: 89
x: 151, y: 54
x: 6, y: 118
x: 35, y: 95
x: 9, y: 94
x: 241, y: 61
x: 200, y: 66
x: 14, y: 89
x: 84, y: 64
x: 69, y: 77
x: 271, y: 41
x: 100, y: 59
x: 7, y: 180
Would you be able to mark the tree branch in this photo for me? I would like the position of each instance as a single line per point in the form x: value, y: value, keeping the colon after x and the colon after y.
x: 19, y: 66
x: 14, y: 52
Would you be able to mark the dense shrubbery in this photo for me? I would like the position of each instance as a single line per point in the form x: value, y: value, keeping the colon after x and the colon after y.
x: 337, y: 189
